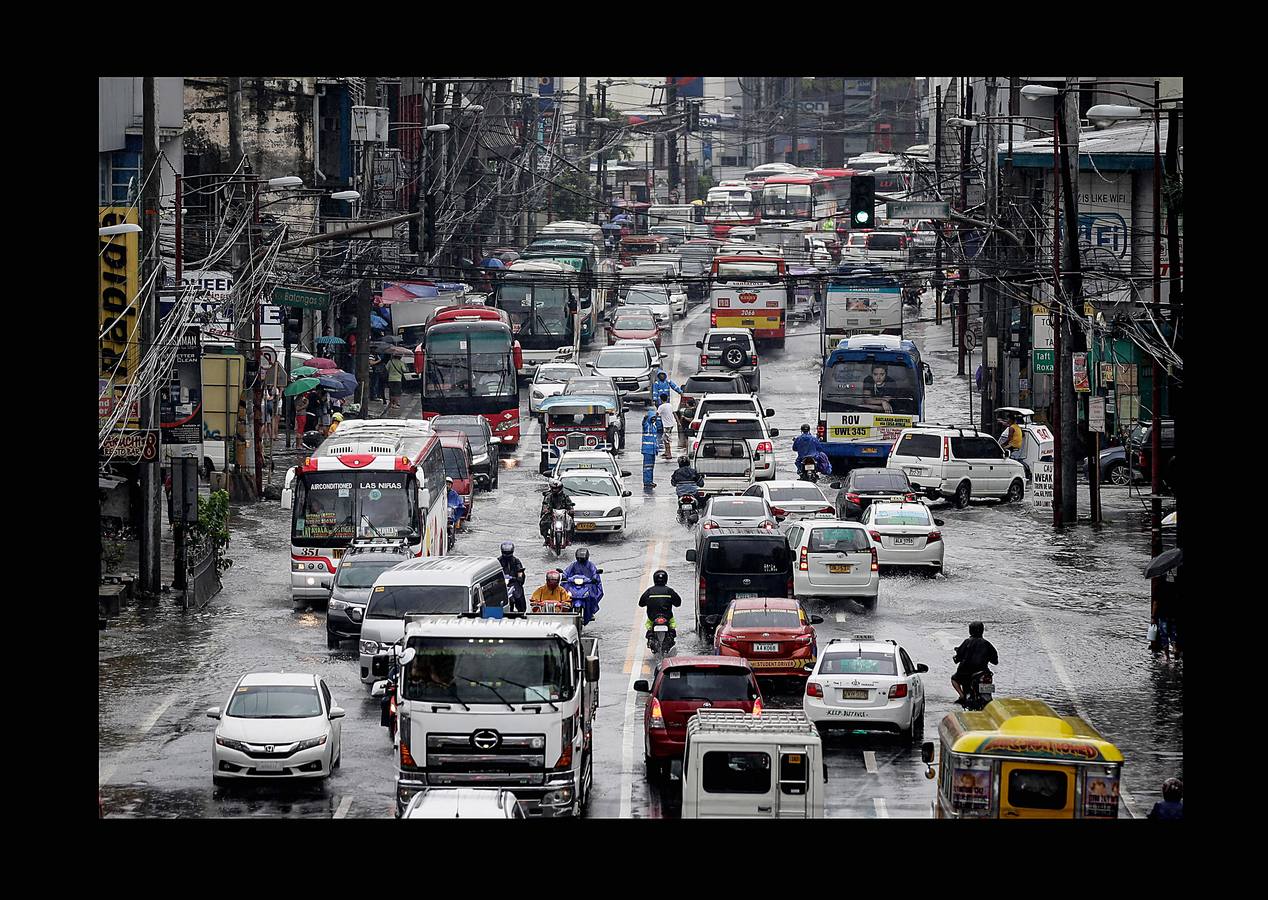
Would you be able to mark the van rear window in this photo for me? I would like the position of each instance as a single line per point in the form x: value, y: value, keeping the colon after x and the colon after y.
x: 735, y: 772
x: 929, y: 445
x: 733, y: 556
x: 1037, y: 788
x: 885, y: 242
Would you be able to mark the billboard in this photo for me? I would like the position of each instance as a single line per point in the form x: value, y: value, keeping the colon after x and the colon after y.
x: 691, y: 86
x: 118, y: 279
x: 181, y: 399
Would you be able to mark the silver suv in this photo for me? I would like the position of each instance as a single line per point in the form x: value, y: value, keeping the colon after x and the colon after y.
x: 731, y: 350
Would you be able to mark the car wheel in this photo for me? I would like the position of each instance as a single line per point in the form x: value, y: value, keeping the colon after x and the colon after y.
x: 650, y: 767
x: 1016, y: 491
x: 868, y: 603
x: 917, y: 733
x: 961, y: 498
x: 1119, y: 473
x: 332, y: 643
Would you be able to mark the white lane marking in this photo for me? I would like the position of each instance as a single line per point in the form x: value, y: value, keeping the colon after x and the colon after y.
x: 344, y: 804
x: 882, y: 811
x: 143, y: 728
x: 636, y: 672
x: 1077, y: 700
x: 869, y: 761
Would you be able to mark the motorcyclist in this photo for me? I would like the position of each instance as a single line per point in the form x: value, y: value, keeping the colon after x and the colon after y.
x: 660, y: 600
x: 973, y: 656
x: 553, y: 498
x: 457, y: 509
x: 806, y: 444
x: 550, y: 594
x: 514, y: 570
x: 686, y: 480
x: 586, y: 569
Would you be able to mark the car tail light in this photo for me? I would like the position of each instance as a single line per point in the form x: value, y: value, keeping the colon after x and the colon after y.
x: 897, y: 690
x: 406, y: 759
x: 704, y: 589
x: 805, y: 638
x: 803, y: 564
x: 766, y: 524
x: 875, y: 567
x: 709, y: 525
x: 853, y: 498
x: 790, y: 587
x: 814, y: 689
x: 658, y: 718
x: 704, y: 359
x: 592, y: 441
x: 765, y: 447
x: 910, y: 498
x: 777, y: 511
x: 753, y: 359
x: 713, y: 319
x: 730, y: 640
x: 946, y: 449
x: 933, y: 536
x: 827, y: 509
x: 876, y: 536
x: 695, y: 426
x: 757, y: 706
x: 694, y: 445
x: 822, y: 431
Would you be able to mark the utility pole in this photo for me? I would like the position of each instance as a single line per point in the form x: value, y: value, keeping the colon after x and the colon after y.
x: 583, y: 132
x: 429, y: 220
x: 962, y: 293
x: 792, y: 114
x: 991, y: 368
x: 671, y: 107
x: 151, y: 531
x: 601, y: 187
x: 363, y: 289
x: 1054, y: 314
x: 1069, y: 494
x: 1155, y: 412
x: 937, y: 179
x: 1175, y: 295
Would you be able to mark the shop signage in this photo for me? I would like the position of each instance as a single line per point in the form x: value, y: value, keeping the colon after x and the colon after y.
x: 119, y: 351
x: 131, y: 446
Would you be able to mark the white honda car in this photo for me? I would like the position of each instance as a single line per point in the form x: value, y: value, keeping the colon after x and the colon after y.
x: 866, y: 684
x: 276, y: 725
x: 598, y: 501
x: 905, y: 534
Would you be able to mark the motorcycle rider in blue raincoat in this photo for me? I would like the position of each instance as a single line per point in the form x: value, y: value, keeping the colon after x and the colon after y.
x: 594, y: 592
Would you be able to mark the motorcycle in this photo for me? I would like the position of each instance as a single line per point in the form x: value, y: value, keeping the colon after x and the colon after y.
x: 808, y: 471
x: 560, y: 534
x: 586, y: 594
x: 980, y: 690
x: 660, y: 638
x: 689, y: 507
x: 385, y: 690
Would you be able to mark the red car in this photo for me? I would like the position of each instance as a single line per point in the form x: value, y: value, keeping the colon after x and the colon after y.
x: 774, y: 634
x: 633, y: 324
x: 455, y: 448
x: 682, y: 685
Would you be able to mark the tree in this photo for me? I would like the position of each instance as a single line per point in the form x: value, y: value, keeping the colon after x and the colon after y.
x: 705, y: 181
x: 570, y: 198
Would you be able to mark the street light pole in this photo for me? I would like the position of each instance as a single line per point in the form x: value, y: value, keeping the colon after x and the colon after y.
x: 151, y: 530
x: 1054, y: 314
x: 1155, y: 431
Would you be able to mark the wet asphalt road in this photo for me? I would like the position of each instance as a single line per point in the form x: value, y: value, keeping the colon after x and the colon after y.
x: 1067, y: 612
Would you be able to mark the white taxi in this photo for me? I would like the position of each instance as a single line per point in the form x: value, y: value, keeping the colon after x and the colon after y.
x: 862, y: 684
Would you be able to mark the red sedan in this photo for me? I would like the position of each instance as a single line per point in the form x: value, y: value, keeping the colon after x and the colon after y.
x: 633, y: 324
x: 774, y: 634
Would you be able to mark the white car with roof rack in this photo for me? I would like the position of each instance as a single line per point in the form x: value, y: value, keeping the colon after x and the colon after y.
x: 861, y: 683
x: 957, y: 463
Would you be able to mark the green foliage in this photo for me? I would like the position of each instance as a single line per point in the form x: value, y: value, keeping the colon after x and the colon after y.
x: 212, y: 527
x: 704, y: 181
x: 572, y: 196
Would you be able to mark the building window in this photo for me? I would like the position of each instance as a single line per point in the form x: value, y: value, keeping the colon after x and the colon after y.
x: 103, y: 179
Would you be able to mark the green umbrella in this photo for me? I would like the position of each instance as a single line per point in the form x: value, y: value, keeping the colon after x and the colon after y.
x: 301, y: 387
x: 303, y: 371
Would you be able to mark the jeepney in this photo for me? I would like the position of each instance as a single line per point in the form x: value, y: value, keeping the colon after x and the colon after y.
x: 576, y: 422
x: 1018, y: 759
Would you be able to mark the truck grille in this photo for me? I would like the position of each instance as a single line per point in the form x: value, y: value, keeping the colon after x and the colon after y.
x: 515, y: 759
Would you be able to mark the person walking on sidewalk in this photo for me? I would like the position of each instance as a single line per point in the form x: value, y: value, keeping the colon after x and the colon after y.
x: 395, y: 381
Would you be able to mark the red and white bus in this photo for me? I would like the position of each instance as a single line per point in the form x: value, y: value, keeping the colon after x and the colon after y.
x: 469, y: 360
x: 755, y: 178
x: 371, y: 478
x: 750, y: 292
x: 798, y: 197
x: 728, y: 205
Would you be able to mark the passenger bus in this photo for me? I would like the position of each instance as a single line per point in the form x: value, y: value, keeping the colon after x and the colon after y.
x: 751, y: 292
x: 728, y: 205
x: 542, y: 302
x: 469, y: 361
x: 371, y: 478
x: 862, y: 303
x: 859, y: 422
x: 597, y: 271
x: 636, y: 245
x: 796, y: 197
x: 755, y: 178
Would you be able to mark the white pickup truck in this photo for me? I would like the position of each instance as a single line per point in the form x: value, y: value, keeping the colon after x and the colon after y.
x: 731, y: 450
x: 505, y: 703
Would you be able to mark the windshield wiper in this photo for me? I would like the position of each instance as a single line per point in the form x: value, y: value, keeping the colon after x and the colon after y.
x: 376, y: 531
x: 587, y: 493
x: 534, y: 690
x: 485, y: 684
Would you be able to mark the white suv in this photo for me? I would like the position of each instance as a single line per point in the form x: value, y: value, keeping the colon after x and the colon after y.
x: 957, y: 463
x: 863, y: 683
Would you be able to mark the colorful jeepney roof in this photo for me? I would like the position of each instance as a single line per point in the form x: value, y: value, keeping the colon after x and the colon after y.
x: 564, y: 403
x: 1014, y: 727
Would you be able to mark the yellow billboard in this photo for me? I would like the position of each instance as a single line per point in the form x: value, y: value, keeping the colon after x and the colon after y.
x: 119, y: 322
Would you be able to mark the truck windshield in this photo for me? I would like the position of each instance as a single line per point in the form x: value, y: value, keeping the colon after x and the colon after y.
x: 338, y: 506
x: 489, y: 670
x: 870, y: 385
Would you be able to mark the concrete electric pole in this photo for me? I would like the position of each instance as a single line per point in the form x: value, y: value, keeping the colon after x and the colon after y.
x: 151, y: 531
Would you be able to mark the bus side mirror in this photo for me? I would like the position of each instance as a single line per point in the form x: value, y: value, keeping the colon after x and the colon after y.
x: 592, y: 669
x: 517, y: 354
x: 287, y: 499
x: 926, y: 752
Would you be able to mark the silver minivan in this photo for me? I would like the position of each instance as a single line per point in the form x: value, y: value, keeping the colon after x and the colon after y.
x: 431, y: 585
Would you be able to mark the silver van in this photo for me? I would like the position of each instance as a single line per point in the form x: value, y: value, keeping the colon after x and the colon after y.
x: 433, y: 584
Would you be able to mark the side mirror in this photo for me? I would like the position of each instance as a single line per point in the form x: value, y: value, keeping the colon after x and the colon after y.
x: 625, y: 474
x: 926, y: 752
x: 288, y: 499
x: 589, y: 365
x: 408, y: 656
x: 336, y: 712
x: 774, y: 432
x: 213, y: 712
x: 642, y: 687
x: 816, y: 620
x: 691, y: 556
x: 627, y: 493
x: 700, y: 345
x: 600, y: 571
x: 939, y: 522
x: 836, y: 485
x: 379, y: 689
x: 921, y: 667
x: 769, y: 412
x: 592, y: 669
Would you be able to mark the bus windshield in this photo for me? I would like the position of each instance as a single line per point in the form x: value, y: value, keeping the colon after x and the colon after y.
x: 538, y: 309
x: 470, y: 363
x: 786, y: 201
x: 339, y: 506
x: 728, y: 209
x: 870, y: 385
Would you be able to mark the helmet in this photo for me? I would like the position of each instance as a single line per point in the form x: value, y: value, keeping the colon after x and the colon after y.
x: 683, y: 462
x: 583, y: 555
x: 664, y: 396
x: 976, y: 629
x: 508, y: 548
x: 555, y: 484
x: 661, y: 376
x: 552, y: 577
x: 338, y: 417
x: 660, y: 578
x: 805, y: 429
x: 1173, y: 789
x: 448, y: 479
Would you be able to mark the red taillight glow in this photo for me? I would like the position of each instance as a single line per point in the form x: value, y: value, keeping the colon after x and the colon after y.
x: 814, y: 689
x: 897, y: 690
x: 707, y: 526
x: 694, y: 445
x: 765, y: 447
x: 729, y: 640
x: 658, y: 718
x: 803, y: 564
x: 753, y: 359
x: 704, y: 360
x: 853, y: 498
x: 910, y: 498
x: 827, y: 509
x: 713, y: 319
x: 875, y: 567
x: 767, y: 524
x: 778, y: 512
x: 876, y: 536
x: 933, y: 536
x: 790, y: 587
x: 822, y: 431
x: 757, y: 706
x: 946, y: 449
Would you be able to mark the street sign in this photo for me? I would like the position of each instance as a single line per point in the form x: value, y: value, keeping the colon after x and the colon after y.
x: 710, y: 120
x: 1041, y: 490
x: 306, y: 298
x: 917, y: 209
x: 811, y: 106
x: 268, y: 357
x: 1042, y: 341
x: 1042, y: 362
x: 1096, y: 414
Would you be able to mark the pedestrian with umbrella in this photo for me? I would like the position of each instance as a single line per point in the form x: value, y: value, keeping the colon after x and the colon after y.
x: 299, y: 389
x: 395, y: 381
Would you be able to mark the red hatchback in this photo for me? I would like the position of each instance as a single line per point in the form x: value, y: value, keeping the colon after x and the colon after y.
x: 455, y: 449
x: 774, y: 634
x: 682, y: 685
x: 633, y: 324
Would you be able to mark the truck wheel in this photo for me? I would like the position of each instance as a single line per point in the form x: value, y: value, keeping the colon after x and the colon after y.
x: 332, y: 643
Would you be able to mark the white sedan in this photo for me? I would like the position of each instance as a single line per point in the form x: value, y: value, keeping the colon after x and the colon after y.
x: 905, y: 534
x: 600, y: 460
x: 598, y: 501
x: 790, y: 500
x: 834, y: 558
x: 549, y: 380
x: 276, y: 725
x: 864, y: 683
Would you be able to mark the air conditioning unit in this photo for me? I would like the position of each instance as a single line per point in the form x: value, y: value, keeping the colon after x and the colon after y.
x: 369, y: 124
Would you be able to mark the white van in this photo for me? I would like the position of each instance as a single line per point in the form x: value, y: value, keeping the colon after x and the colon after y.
x: 432, y: 584
x: 742, y: 766
x: 958, y: 464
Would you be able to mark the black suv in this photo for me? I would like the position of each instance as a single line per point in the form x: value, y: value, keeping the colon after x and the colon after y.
x: 738, y: 562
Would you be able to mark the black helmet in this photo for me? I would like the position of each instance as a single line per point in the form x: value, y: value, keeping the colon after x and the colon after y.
x: 583, y: 555
x: 683, y: 462
x: 660, y: 578
x: 508, y: 548
x: 805, y: 429
x: 1173, y: 790
x: 976, y: 629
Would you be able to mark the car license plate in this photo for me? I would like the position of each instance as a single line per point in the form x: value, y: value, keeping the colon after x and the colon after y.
x: 853, y: 694
x: 915, y: 470
x: 744, y: 595
x: 766, y: 648
x: 903, y: 542
x: 585, y: 526
x: 660, y: 628
x: 840, y: 569
x: 267, y: 766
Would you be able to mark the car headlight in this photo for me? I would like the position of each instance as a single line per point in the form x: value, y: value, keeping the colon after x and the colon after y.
x: 231, y: 744
x: 369, y: 647
x: 482, y: 458
x: 310, y: 743
x: 614, y: 512
x: 538, y: 395
x: 337, y: 604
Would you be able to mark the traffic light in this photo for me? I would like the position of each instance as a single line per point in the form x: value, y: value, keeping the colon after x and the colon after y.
x: 862, y: 201
x: 293, y: 324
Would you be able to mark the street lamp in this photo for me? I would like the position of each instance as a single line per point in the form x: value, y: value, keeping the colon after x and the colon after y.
x: 286, y: 181
x: 602, y: 120
x: 474, y: 108
x: 1035, y: 91
x: 346, y: 195
x: 962, y: 123
x: 112, y: 230
x: 437, y: 129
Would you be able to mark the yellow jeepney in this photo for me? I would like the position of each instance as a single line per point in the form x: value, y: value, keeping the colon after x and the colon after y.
x: 1018, y: 759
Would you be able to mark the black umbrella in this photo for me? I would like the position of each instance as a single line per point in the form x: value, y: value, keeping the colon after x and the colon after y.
x: 1164, y: 562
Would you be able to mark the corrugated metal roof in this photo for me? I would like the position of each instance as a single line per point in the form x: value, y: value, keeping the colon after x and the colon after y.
x: 1123, y: 146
